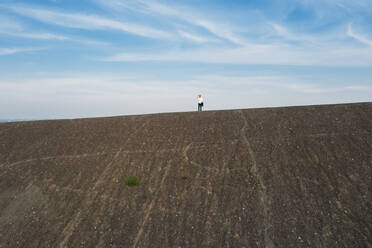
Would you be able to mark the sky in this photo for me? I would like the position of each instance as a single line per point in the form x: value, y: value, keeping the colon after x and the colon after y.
x: 73, y: 59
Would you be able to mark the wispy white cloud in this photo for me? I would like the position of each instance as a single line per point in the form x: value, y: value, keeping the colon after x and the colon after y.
x: 146, y: 7
x: 330, y: 39
x: 37, y: 36
x: 195, y: 37
x: 305, y: 88
x: 283, y: 31
x: 358, y: 88
x: 241, y: 80
x: 258, y: 54
x: 179, y: 12
x: 264, y: 83
x: 358, y: 37
x: 9, y: 25
x: 89, y: 42
x: 8, y: 51
x: 310, y: 49
x: 84, y: 21
x: 49, y: 36
x: 288, y: 35
x: 273, y: 83
x: 222, y: 31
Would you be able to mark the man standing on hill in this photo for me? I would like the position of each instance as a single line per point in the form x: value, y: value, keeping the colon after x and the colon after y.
x: 200, y: 103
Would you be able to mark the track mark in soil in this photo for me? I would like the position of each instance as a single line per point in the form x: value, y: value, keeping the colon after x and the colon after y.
x: 188, y: 160
x: 197, y: 177
x: 262, y: 190
x: 88, y: 201
x: 29, y: 160
x: 70, y: 228
x: 54, y: 157
x: 151, y: 205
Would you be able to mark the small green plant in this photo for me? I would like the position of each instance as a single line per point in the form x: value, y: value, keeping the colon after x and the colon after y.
x: 184, y: 177
x: 132, y: 181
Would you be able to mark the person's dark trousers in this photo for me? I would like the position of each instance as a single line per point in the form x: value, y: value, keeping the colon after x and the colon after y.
x: 200, y: 107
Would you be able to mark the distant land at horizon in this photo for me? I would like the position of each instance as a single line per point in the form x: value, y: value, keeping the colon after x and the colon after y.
x: 15, y: 120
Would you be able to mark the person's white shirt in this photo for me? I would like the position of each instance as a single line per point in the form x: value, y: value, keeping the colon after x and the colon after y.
x: 200, y: 99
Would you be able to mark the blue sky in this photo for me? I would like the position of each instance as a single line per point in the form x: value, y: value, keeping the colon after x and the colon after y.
x: 68, y: 58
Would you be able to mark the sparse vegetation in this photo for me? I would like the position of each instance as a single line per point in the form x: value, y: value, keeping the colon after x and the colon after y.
x: 132, y: 181
x: 184, y: 177
x: 244, y: 178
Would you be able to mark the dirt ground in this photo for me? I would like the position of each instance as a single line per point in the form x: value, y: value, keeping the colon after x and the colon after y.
x: 274, y: 177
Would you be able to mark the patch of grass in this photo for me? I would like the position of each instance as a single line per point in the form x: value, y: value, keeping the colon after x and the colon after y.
x: 184, y: 177
x: 132, y: 181
x: 244, y: 177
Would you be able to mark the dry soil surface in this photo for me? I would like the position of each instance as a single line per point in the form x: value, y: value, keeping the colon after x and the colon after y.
x: 276, y: 177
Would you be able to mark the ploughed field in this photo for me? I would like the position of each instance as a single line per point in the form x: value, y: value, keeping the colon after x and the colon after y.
x: 274, y: 177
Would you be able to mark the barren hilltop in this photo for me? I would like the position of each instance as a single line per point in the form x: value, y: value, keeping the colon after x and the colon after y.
x: 274, y: 177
